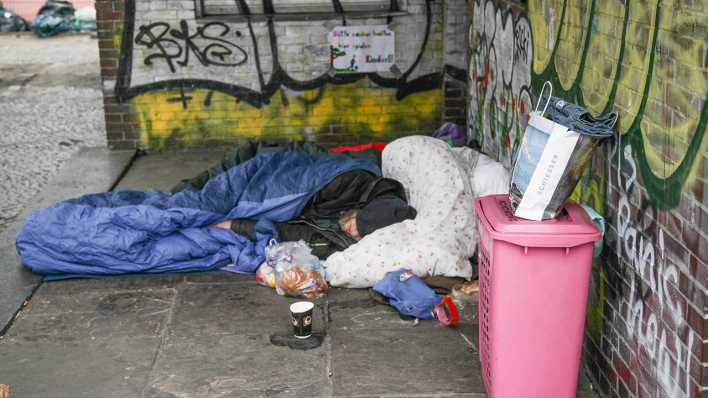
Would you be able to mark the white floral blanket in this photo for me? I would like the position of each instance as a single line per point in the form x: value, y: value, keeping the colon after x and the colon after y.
x: 439, y: 184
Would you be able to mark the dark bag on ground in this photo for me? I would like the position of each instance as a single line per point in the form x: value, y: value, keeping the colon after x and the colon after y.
x: 56, y: 16
x: 10, y: 21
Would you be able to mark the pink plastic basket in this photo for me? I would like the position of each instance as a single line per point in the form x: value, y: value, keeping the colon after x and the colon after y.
x: 533, y: 278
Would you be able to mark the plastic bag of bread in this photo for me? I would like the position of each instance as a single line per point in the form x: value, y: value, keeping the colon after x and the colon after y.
x: 265, y: 275
x: 297, y: 272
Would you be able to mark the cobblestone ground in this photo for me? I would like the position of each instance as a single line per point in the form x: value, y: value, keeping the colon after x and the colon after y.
x: 50, y: 106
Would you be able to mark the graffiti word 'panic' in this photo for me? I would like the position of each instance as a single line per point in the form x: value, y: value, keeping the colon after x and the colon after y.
x: 641, y: 255
x: 209, y: 44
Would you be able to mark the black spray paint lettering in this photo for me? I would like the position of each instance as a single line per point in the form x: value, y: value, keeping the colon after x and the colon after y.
x: 170, y: 45
x: 522, y: 37
x: 173, y: 44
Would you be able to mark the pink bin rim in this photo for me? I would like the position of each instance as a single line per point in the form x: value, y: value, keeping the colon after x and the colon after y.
x: 572, y: 228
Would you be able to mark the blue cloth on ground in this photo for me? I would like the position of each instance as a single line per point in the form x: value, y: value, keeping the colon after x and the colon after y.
x: 155, y: 232
x: 408, y: 294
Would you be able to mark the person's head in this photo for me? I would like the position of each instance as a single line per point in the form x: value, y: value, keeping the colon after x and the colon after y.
x: 348, y: 224
x: 380, y: 212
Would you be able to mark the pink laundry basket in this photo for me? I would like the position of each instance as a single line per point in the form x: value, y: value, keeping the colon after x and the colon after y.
x: 533, y: 278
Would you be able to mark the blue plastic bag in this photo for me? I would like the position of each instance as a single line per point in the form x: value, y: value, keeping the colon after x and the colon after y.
x: 408, y: 294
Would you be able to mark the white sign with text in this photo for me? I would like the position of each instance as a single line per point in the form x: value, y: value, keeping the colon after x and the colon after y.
x: 362, y: 49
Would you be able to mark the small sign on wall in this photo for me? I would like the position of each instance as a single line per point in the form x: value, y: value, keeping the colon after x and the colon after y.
x: 362, y: 49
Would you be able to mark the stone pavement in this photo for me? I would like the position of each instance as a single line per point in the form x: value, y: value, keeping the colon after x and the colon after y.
x: 50, y: 106
x: 89, y: 170
x: 208, y: 335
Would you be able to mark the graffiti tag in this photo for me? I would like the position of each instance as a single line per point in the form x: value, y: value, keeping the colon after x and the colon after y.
x: 209, y: 44
x: 500, y: 79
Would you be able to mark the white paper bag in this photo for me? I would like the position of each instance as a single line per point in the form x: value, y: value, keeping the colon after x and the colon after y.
x: 541, y: 161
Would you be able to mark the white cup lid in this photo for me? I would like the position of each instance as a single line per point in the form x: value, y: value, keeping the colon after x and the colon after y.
x: 301, y: 306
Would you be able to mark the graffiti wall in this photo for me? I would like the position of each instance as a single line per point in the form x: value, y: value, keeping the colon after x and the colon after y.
x: 647, y: 60
x: 174, y: 78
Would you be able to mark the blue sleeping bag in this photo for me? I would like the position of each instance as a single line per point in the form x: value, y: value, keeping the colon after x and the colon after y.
x: 154, y: 232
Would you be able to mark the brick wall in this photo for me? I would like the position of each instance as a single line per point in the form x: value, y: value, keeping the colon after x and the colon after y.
x: 122, y: 127
x: 167, y: 85
x: 646, y: 329
x: 456, y: 50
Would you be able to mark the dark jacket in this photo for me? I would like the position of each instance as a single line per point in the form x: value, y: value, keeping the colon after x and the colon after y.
x: 318, y: 223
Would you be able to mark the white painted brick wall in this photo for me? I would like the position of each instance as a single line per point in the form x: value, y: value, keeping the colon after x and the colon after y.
x: 302, y: 45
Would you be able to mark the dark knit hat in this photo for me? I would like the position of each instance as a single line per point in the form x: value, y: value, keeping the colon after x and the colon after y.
x: 382, y: 212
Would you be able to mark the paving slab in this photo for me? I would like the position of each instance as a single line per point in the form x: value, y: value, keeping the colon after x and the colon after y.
x: 212, y: 277
x: 161, y: 171
x: 407, y: 357
x: 94, y: 315
x: 113, y: 283
x: 354, y: 309
x: 90, y: 170
x: 210, y: 309
x: 98, y: 343
x: 76, y: 369
x: 237, y: 365
x: 403, y: 361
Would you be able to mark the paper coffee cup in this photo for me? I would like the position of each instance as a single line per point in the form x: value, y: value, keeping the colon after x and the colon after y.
x: 301, y: 318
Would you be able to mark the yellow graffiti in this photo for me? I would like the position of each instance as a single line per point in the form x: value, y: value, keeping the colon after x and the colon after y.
x: 118, y: 34
x: 671, y: 87
x: 545, y: 19
x: 635, y: 70
x: 604, y: 51
x: 673, y: 113
x: 352, y: 109
x: 572, y: 38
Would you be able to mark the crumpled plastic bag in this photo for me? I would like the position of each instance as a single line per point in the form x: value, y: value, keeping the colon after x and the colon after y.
x: 408, y: 294
x: 10, y: 21
x: 292, y: 270
x: 265, y: 275
x: 55, y: 17
x: 85, y: 19
x: 453, y: 134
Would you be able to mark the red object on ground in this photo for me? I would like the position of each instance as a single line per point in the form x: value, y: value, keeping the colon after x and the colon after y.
x: 378, y: 145
x: 446, y: 312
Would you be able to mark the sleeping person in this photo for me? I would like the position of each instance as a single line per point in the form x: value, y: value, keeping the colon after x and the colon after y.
x: 354, y: 192
x: 156, y: 232
x: 350, y: 207
x: 440, y: 183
